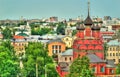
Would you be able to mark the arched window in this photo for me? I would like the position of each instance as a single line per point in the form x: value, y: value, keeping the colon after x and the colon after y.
x: 113, y: 54
x: 102, y: 69
x: 110, y: 49
x: 65, y: 58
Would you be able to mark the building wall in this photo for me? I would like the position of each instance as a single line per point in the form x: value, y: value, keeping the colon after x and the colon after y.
x: 100, y: 54
x: 19, y: 47
x: 68, y: 41
x: 65, y: 58
x: 53, y: 48
x: 99, y: 68
x: 113, y: 54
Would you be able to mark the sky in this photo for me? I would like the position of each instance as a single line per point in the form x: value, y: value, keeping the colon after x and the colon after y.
x: 37, y: 9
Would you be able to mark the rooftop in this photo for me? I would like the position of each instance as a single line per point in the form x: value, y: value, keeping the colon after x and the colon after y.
x: 68, y: 52
x: 114, y: 43
x: 94, y: 59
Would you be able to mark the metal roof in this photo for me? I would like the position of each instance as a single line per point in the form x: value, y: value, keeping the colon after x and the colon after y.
x: 94, y: 59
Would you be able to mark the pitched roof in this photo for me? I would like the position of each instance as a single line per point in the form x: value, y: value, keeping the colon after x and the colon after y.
x: 110, y: 63
x: 94, y: 59
x: 88, y: 21
x: 55, y: 40
x: 114, y: 42
x: 68, y: 52
x: 18, y: 37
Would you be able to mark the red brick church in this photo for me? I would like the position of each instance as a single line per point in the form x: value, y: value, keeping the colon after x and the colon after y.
x: 89, y: 43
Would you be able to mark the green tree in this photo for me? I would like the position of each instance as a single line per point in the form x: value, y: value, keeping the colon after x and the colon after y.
x: 118, y: 69
x: 105, y: 50
x: 7, y: 33
x: 80, y: 68
x: 41, y: 31
x: 35, y: 61
x: 74, y: 32
x: 9, y: 67
x: 61, y: 28
x: 117, y: 35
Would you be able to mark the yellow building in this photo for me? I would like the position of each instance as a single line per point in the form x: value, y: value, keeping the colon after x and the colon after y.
x: 19, y: 43
x: 113, y: 52
x: 68, y: 41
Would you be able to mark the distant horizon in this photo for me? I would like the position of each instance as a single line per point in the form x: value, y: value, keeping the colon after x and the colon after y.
x: 63, y: 9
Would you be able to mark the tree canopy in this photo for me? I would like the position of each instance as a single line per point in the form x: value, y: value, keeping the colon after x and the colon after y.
x: 80, y: 68
x: 7, y: 33
x: 35, y: 61
x: 61, y: 28
x: 9, y: 66
x: 118, y: 69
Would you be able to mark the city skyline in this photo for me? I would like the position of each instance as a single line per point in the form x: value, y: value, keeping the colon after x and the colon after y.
x: 30, y: 9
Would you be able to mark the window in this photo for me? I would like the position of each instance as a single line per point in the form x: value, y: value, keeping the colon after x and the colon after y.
x: 66, y: 39
x: 111, y: 71
x: 56, y: 46
x: 102, y: 69
x: 59, y: 51
x: 113, y: 54
x: 113, y: 49
x: 116, y: 54
x: 110, y: 49
x: 114, y: 60
x: 52, y: 46
x: 56, y: 51
x: 70, y: 58
x: 94, y: 69
x: 119, y: 60
x: 59, y: 46
x: 65, y: 58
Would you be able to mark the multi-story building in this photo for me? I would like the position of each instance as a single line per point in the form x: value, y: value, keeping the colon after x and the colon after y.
x: 113, y: 52
x: 55, y: 47
x: 19, y: 43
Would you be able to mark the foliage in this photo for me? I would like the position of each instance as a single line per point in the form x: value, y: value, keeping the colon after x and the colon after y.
x: 40, y: 31
x: 74, y: 32
x: 80, y: 68
x: 118, y: 69
x: 7, y: 33
x: 117, y: 35
x: 9, y: 67
x: 35, y: 61
x: 61, y: 28
x: 22, y: 22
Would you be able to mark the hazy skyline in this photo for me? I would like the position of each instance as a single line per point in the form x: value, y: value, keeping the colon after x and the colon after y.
x: 30, y: 9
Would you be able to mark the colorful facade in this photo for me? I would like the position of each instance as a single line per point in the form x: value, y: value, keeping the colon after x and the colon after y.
x: 56, y: 47
x: 113, y: 52
x: 89, y: 40
x: 68, y: 41
x: 19, y: 43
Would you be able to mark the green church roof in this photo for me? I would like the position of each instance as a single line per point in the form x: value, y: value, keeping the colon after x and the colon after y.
x: 23, y: 34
